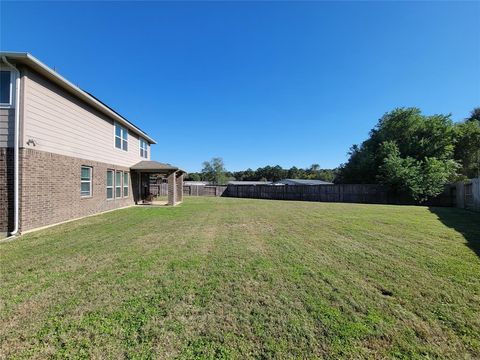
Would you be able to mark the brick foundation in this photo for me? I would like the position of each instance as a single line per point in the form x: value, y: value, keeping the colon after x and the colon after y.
x: 51, y: 189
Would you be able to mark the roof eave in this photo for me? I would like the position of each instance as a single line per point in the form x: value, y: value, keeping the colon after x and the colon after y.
x: 52, y: 75
x: 155, y: 166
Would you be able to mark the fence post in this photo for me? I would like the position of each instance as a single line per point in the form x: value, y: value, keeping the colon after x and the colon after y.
x: 476, y: 193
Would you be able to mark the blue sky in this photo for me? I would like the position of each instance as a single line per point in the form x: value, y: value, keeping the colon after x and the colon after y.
x: 257, y: 83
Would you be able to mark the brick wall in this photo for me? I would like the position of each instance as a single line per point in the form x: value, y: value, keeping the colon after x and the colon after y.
x: 51, y: 189
x: 6, y: 190
x: 172, y: 189
x: 179, y: 190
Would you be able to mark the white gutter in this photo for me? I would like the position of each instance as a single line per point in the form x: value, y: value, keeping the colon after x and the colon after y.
x: 16, y: 146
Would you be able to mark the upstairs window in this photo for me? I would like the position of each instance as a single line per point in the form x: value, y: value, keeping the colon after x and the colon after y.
x: 121, y: 137
x: 143, y: 148
x: 6, y: 88
x: 86, y: 181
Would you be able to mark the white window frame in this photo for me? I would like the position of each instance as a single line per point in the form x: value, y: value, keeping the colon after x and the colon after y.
x: 122, y: 139
x: 86, y: 181
x: 125, y: 173
x: 13, y: 80
x: 119, y: 185
x: 143, y: 148
x: 111, y: 186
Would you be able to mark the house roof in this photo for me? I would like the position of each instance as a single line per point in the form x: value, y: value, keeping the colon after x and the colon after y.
x: 197, y: 183
x: 303, y: 182
x: 29, y: 60
x: 154, y: 166
x: 235, y: 182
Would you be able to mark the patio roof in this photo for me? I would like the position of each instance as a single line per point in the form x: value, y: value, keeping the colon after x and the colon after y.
x: 154, y: 167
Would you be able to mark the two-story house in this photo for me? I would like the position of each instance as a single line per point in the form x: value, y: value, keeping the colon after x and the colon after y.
x: 63, y: 153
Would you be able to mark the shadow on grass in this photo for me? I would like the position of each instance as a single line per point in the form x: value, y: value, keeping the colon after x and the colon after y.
x: 465, y: 222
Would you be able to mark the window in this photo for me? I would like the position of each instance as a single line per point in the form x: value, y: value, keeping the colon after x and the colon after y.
x: 143, y: 148
x: 6, y: 87
x: 110, y: 184
x: 118, y: 184
x: 121, y: 137
x: 86, y: 181
x: 125, y: 184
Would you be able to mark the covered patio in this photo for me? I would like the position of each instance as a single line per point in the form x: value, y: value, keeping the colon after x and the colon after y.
x: 140, y: 174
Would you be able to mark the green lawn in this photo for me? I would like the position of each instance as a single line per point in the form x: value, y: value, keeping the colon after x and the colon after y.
x: 240, y: 278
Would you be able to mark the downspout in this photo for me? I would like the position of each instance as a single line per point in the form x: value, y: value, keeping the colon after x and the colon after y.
x: 16, y: 147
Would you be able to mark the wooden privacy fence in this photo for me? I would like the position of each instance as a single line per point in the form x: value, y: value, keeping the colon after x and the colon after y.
x: 160, y: 189
x: 466, y: 194
x: 374, y: 194
x: 349, y: 193
x: 203, y: 190
x: 330, y: 193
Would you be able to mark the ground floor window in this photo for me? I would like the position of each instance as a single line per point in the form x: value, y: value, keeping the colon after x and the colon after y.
x: 125, y: 184
x: 118, y: 184
x: 110, y: 184
x: 86, y: 181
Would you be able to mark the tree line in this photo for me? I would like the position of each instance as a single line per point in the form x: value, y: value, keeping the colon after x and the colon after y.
x: 214, y: 171
x: 407, y: 151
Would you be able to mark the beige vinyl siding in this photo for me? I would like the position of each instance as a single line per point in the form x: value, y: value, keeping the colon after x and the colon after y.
x: 61, y: 124
x: 7, y: 126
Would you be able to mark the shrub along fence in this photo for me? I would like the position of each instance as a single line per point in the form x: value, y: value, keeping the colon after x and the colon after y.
x: 349, y: 193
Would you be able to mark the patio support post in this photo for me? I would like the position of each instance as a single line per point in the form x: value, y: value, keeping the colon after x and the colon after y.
x: 139, y: 197
x: 179, y: 184
x: 172, y: 189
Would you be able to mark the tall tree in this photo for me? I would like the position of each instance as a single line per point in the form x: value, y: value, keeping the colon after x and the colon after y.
x: 474, y: 115
x: 421, y: 179
x: 214, y: 171
x: 411, y: 152
x: 194, y: 177
x: 467, y: 148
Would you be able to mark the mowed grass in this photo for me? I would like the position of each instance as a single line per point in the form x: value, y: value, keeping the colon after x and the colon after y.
x: 240, y: 278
